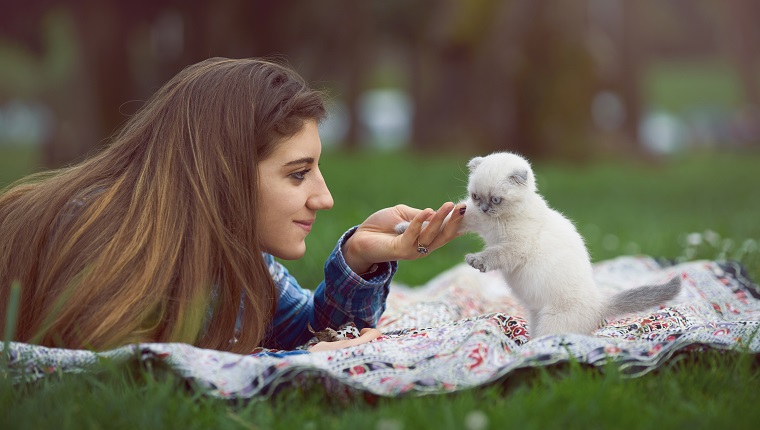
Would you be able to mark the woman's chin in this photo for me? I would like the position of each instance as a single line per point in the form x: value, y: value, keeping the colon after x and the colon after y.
x: 294, y: 253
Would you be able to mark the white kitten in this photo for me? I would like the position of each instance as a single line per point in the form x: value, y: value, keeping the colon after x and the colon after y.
x: 540, y: 253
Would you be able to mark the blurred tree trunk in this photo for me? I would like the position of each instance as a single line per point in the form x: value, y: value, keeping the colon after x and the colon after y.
x: 419, y: 57
x: 631, y: 64
x: 526, y: 79
x: 507, y: 40
x: 744, y: 16
x: 76, y: 129
x: 447, y: 76
x: 504, y: 76
x: 356, y: 43
x: 744, y: 35
x: 555, y: 81
x: 103, y: 81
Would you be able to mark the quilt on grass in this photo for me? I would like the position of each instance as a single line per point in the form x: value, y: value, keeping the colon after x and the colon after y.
x: 461, y: 330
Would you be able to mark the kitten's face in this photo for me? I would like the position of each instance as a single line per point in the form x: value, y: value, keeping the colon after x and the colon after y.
x: 498, y: 184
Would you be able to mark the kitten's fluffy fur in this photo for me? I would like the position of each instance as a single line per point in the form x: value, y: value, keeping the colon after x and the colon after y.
x: 540, y: 253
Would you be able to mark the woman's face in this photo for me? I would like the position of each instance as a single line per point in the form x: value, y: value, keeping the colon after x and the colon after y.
x: 291, y: 192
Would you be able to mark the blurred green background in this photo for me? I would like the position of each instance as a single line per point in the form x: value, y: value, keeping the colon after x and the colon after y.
x: 641, y: 117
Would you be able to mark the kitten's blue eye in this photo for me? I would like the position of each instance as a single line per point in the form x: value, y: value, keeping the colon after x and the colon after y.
x: 496, y: 200
x: 475, y: 197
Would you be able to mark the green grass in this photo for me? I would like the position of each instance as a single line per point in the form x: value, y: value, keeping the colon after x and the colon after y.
x: 621, y: 208
x: 705, y: 390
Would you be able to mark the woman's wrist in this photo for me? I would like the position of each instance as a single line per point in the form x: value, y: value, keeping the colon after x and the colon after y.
x: 353, y: 257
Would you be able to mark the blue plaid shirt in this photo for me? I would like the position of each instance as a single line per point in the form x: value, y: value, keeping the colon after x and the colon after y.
x: 342, y: 297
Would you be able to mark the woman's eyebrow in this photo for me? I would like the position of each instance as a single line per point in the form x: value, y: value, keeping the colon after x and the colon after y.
x: 304, y: 160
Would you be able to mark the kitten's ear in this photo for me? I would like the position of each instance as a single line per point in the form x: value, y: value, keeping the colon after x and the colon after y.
x: 519, y: 177
x: 474, y: 163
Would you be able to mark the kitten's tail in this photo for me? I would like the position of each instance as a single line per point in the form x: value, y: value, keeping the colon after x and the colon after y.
x: 641, y: 298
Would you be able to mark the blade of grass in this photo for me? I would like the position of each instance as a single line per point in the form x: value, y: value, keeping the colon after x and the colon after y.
x: 11, y: 319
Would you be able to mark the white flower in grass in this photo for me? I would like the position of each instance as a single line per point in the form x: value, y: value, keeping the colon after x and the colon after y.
x: 476, y: 420
x: 389, y: 424
x: 711, y: 237
x: 694, y: 239
x: 749, y: 246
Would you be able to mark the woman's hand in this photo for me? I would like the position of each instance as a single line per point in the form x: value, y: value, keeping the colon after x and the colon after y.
x: 365, y: 335
x: 376, y: 240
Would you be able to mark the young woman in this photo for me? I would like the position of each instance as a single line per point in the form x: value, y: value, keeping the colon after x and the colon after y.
x: 170, y: 233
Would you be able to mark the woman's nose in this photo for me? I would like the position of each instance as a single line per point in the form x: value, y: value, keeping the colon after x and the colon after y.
x: 321, y: 199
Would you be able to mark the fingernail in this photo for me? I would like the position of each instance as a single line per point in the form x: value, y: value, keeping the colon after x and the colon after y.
x: 462, y: 210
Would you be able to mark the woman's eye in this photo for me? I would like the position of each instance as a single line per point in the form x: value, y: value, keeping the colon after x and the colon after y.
x: 496, y: 200
x: 475, y: 196
x: 301, y: 175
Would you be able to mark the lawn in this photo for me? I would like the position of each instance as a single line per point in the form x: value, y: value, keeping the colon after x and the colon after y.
x: 621, y: 208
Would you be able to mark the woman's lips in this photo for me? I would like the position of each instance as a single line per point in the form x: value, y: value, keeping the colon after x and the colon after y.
x: 305, y: 225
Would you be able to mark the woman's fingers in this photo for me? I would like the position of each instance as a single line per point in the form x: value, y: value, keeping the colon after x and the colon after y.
x: 365, y: 335
x: 415, y: 227
x: 451, y: 229
x: 428, y: 229
x: 369, y: 333
x: 431, y: 231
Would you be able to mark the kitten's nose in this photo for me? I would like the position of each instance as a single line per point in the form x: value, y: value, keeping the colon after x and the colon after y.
x: 484, y: 207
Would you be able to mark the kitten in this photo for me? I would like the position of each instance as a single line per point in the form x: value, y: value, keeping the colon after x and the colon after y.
x: 540, y: 253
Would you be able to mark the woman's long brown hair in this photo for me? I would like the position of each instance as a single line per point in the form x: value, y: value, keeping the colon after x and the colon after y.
x: 141, y: 241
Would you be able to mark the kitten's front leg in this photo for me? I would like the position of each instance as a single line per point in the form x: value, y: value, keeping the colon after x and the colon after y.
x: 486, y: 260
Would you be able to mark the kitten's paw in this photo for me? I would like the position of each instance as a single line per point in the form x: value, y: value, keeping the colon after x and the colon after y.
x: 402, y: 226
x: 476, y: 262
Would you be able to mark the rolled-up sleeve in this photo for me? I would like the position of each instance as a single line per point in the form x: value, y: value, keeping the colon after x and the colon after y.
x: 342, y: 297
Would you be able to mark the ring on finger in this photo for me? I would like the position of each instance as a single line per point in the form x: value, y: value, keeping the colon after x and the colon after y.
x: 422, y: 249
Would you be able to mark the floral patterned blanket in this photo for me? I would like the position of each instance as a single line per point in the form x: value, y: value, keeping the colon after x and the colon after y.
x: 461, y: 330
